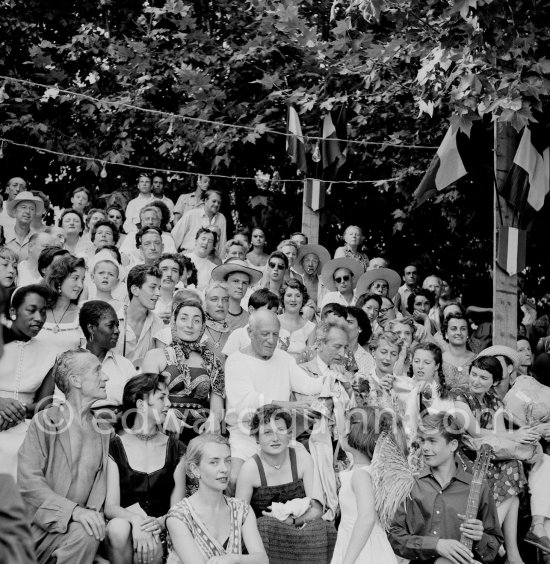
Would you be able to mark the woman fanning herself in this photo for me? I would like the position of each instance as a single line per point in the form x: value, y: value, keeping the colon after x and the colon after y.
x: 257, y: 256
x: 361, y: 538
x: 481, y: 413
x: 457, y: 357
x: 282, y: 474
x: 145, y: 475
x: 208, y: 527
x: 295, y: 330
x: 197, y: 384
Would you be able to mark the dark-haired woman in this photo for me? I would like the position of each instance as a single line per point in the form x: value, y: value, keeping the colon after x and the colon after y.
x: 72, y: 223
x: 26, y: 381
x: 100, y: 326
x: 359, y: 335
x: 280, y: 474
x: 481, y: 412
x: 65, y: 280
x: 115, y: 214
x: 295, y: 330
x: 457, y: 358
x: 145, y: 474
x: 429, y: 392
x: 197, y: 382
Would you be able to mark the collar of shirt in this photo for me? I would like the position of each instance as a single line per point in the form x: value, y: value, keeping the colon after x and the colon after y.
x: 460, y: 474
x: 10, y: 235
x: 323, y: 367
x: 211, y: 220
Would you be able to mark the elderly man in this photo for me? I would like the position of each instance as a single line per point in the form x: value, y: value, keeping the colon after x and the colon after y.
x: 14, y: 186
x: 433, y: 283
x: 63, y: 465
x: 23, y: 207
x: 207, y: 215
x: 239, y: 277
x: 258, y: 375
x: 309, y: 264
x: 149, y: 244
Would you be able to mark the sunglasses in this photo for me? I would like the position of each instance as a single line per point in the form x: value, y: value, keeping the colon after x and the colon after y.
x: 341, y: 279
x: 276, y: 265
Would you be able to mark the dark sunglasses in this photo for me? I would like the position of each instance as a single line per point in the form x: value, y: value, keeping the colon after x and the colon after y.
x: 341, y: 279
x: 276, y: 265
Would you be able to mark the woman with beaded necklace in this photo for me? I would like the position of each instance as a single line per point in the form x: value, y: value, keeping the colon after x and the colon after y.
x: 216, y: 299
x: 197, y: 382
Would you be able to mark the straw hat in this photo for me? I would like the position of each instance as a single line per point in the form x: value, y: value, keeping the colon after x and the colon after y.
x: 502, y: 350
x: 319, y: 250
x: 220, y: 273
x: 330, y: 267
x: 25, y: 196
x: 390, y: 276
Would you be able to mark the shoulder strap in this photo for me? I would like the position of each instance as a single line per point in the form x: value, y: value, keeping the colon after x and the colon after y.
x: 293, y: 465
x: 263, y: 479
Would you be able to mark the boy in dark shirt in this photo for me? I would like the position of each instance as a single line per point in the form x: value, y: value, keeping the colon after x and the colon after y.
x: 427, y: 527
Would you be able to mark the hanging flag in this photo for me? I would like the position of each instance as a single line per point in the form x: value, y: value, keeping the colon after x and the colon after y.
x: 314, y: 193
x: 528, y: 181
x: 295, y: 146
x: 334, y: 147
x: 446, y: 167
x: 511, y: 248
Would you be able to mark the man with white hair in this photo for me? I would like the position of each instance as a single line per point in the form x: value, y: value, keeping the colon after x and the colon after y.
x: 23, y: 207
x: 433, y: 283
x: 62, y: 470
x: 258, y: 375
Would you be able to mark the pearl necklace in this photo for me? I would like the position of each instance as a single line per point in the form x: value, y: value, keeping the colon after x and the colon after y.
x: 147, y: 436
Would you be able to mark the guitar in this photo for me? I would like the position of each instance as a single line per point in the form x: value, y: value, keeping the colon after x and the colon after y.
x: 481, y: 466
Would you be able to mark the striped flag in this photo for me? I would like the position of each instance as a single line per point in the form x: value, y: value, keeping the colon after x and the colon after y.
x: 528, y: 181
x: 511, y: 248
x: 295, y: 146
x: 333, y: 147
x: 446, y: 167
x: 314, y: 193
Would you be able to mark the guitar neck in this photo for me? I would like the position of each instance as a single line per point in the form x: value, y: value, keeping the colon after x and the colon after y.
x: 471, y: 509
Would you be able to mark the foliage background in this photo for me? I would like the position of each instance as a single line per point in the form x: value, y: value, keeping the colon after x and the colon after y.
x: 401, y: 69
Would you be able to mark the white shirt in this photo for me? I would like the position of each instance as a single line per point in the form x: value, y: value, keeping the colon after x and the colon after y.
x: 132, y: 211
x: 337, y: 298
x: 129, y: 248
x: 204, y: 270
x: 186, y: 228
x: 5, y: 220
x: 251, y: 382
x: 119, y: 370
x: 187, y: 202
x: 26, y: 275
x: 237, y: 340
x: 15, y: 244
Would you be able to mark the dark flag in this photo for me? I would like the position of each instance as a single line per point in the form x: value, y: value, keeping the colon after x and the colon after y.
x: 334, y: 146
x: 295, y: 146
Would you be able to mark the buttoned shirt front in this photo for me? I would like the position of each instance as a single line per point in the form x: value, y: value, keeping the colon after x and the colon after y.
x: 186, y: 228
x: 17, y: 245
x: 432, y: 512
x: 132, y: 211
x: 187, y: 202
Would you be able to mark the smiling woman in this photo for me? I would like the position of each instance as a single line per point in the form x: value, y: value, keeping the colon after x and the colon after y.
x: 25, y: 384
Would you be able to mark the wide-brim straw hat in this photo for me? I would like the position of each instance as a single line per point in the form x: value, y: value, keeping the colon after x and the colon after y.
x: 390, y: 276
x: 502, y: 350
x: 220, y: 273
x: 25, y: 196
x: 319, y: 250
x: 330, y: 267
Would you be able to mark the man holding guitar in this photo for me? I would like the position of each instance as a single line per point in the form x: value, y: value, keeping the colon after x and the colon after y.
x: 451, y: 516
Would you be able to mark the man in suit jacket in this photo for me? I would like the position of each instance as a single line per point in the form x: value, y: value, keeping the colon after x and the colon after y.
x: 62, y: 470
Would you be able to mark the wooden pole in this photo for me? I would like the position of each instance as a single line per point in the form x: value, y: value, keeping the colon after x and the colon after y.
x: 505, y: 287
x: 310, y: 218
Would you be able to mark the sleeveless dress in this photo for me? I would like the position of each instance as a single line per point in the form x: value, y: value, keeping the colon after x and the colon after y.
x: 205, y: 541
x: 297, y: 339
x: 313, y: 543
x: 189, y: 392
x: 506, y: 477
x: 152, y: 491
x: 377, y: 549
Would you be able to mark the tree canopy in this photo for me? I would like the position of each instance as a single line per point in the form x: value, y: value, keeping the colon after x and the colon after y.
x: 401, y: 69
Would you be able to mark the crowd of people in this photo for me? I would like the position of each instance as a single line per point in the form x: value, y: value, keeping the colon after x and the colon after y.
x: 172, y: 394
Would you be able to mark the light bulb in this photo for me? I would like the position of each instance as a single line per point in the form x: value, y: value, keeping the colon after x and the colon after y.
x: 103, y: 172
x: 316, y: 155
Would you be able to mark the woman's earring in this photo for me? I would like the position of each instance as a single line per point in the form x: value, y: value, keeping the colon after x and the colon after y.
x: 13, y: 316
x: 91, y: 337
